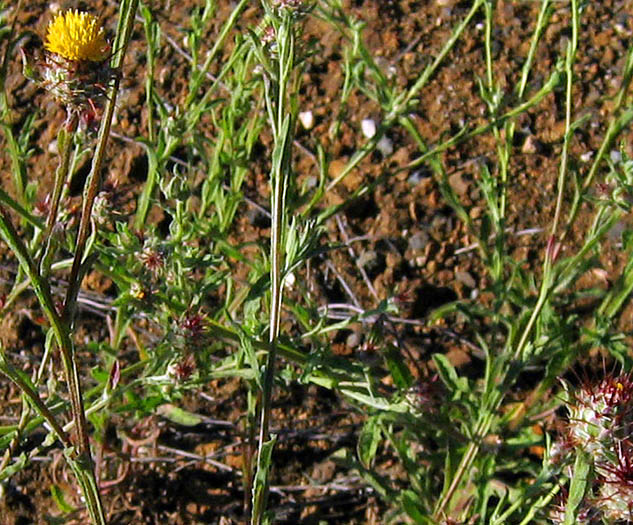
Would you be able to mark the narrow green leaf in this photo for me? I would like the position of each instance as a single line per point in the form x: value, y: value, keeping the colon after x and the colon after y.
x: 400, y: 372
x: 449, y: 374
x: 179, y: 416
x: 411, y: 505
x: 16, y: 466
x: 578, y: 487
x: 59, y: 497
x: 260, y: 484
x: 368, y: 441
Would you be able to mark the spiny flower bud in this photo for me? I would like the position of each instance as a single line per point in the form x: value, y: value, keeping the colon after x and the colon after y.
x: 615, y: 495
x: 600, y: 423
x: 601, y: 413
x: 183, y: 369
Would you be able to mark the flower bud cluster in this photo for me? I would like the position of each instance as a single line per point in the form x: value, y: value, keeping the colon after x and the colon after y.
x: 600, y: 425
x: 600, y: 415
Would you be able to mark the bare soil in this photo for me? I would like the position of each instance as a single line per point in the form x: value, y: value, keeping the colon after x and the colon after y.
x: 412, y: 243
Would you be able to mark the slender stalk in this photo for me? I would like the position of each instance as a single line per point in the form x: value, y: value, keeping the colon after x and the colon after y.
x: 18, y: 166
x: 496, y: 396
x: 7, y: 369
x: 64, y: 142
x: 82, y: 466
x: 78, y: 455
x: 128, y: 11
x: 465, y: 135
x: 62, y: 335
x: 430, y: 70
x: 248, y: 446
x: 621, y: 119
x: 201, y: 73
x: 282, y: 123
x: 25, y: 415
x: 570, y: 57
x: 399, y: 107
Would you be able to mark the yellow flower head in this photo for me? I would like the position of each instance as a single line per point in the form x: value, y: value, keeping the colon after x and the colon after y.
x: 76, y: 37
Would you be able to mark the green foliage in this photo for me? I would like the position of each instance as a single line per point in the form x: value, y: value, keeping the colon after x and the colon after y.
x: 195, y: 299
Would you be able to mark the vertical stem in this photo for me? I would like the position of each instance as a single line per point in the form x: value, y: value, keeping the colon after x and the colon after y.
x: 249, y: 447
x: 80, y: 455
x: 17, y: 164
x: 569, y: 74
x: 199, y: 75
x: 282, y: 120
x: 94, y: 184
x: 64, y: 143
x: 83, y: 465
x: 620, y: 119
x: 496, y: 397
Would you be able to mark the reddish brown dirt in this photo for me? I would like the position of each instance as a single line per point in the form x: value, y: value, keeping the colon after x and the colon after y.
x: 413, y: 243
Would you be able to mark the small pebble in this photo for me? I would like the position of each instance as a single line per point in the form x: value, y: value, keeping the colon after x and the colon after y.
x: 418, y: 241
x: 368, y: 127
x: 415, y: 178
x: 367, y: 257
x: 616, y: 231
x: 385, y: 146
x: 531, y: 145
x: 466, y: 279
x: 353, y: 340
x: 311, y: 182
x: 459, y: 184
x: 307, y: 119
x: 586, y: 157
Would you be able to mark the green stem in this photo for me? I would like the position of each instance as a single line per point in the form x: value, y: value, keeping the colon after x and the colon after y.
x: 399, y: 107
x: 25, y: 416
x: 282, y: 123
x: 124, y: 31
x: 465, y: 135
x: 570, y: 57
x: 34, y: 399
x: 200, y: 74
x: 18, y: 166
x: 621, y: 119
x: 64, y: 143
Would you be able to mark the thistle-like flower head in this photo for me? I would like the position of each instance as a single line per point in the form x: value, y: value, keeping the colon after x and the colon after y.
x: 601, y: 413
x: 75, y: 69
x: 77, y: 37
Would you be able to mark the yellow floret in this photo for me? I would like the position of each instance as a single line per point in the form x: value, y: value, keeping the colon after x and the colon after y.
x: 77, y: 37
